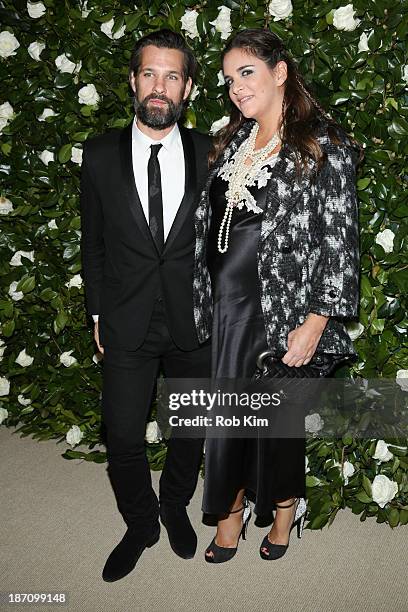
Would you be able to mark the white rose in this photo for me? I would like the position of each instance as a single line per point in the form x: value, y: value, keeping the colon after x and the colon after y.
x: 52, y: 224
x: 354, y: 330
x: 4, y: 386
x: 2, y: 348
x: 84, y: 10
x: 15, y: 295
x: 221, y: 80
x: 3, y: 123
x: 313, y: 422
x: 64, y: 64
x: 6, y: 111
x: 35, y: 49
x: 381, y: 452
x: 8, y: 44
x: 222, y: 23
x: 66, y: 359
x: 76, y: 155
x: 343, y: 18
x: 386, y: 240
x: 194, y: 93
x: 88, y: 95
x: 3, y: 413
x: 36, y: 9
x: 24, y: 359
x: 219, y: 124
x: 280, y: 9
x: 153, y: 433
x: 5, y: 206
x: 24, y: 401
x: 47, y: 112
x: 348, y: 470
x: 75, y: 281
x: 74, y: 435
x: 363, y: 42
x: 16, y: 259
x: 307, y: 468
x: 402, y: 379
x: 189, y: 23
x: 383, y: 490
x: 107, y: 28
x: 46, y: 157
x: 405, y: 74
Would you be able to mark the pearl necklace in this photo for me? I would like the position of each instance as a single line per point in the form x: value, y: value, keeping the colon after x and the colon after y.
x: 240, y: 176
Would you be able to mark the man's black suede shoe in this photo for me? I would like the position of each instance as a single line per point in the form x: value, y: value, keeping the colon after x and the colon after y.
x: 182, y: 536
x: 124, y: 557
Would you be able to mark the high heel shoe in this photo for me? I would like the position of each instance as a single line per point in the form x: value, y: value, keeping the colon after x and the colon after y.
x: 275, y: 551
x: 220, y: 554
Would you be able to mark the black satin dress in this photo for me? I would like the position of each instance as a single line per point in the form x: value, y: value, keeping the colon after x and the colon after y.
x: 271, y: 470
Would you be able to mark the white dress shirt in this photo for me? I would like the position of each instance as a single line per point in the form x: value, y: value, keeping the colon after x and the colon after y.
x: 172, y: 170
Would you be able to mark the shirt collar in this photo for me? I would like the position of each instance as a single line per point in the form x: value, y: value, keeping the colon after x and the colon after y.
x: 144, y: 142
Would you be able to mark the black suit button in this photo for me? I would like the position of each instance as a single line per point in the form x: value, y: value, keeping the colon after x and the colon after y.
x: 332, y: 293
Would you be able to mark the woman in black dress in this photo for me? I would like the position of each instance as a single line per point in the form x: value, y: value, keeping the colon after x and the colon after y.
x: 277, y: 260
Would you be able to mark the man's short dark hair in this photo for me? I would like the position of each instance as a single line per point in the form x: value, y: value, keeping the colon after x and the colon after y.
x: 165, y: 39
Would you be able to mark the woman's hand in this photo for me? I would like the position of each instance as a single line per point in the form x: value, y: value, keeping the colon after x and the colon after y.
x: 96, y: 337
x: 303, y: 341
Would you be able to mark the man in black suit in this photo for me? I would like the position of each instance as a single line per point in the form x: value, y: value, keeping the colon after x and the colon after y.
x: 139, y: 191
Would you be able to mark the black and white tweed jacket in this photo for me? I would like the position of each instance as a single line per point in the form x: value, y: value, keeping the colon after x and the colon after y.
x: 308, y: 251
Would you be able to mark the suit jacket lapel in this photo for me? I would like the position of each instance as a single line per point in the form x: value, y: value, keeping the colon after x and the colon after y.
x: 190, y: 183
x: 129, y: 185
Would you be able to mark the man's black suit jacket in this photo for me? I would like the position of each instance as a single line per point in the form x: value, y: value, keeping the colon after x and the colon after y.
x: 123, y: 272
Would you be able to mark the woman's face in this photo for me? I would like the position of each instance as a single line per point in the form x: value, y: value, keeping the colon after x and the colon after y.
x: 253, y: 87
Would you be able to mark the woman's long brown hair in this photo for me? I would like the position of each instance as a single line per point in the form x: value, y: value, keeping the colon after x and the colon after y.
x: 301, y: 112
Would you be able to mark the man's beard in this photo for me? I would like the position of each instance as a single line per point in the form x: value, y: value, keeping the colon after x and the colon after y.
x: 158, y: 117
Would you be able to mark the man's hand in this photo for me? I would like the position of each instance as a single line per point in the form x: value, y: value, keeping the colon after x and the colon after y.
x: 303, y: 341
x: 96, y: 337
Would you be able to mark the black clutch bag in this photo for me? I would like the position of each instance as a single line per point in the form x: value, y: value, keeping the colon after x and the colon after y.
x: 271, y: 366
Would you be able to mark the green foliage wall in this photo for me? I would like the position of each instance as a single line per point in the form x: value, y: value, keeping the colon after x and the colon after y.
x: 63, y: 68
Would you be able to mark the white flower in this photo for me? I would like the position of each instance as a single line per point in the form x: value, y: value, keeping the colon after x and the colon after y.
x: 24, y: 359
x: 5, y: 206
x: 8, y: 44
x: 46, y: 157
x: 16, y: 259
x: 6, y: 111
x: 88, y: 95
x: 4, y: 386
x: 280, y: 9
x: 189, y: 23
x: 402, y: 379
x: 66, y: 359
x: 381, y: 452
x: 348, y: 470
x: 3, y: 123
x: 64, y: 64
x: 307, y: 468
x: 363, y: 42
x: 52, y: 224
x: 221, y: 80
x: 97, y: 358
x: 47, y: 112
x: 76, y: 155
x: 24, y: 401
x: 35, y: 49
x: 107, y: 28
x: 222, y: 23
x: 354, y: 330
x: 84, y: 10
x: 405, y: 74
x: 343, y: 18
x: 383, y: 490
x: 74, y: 435
x: 194, y: 93
x: 75, y: 281
x: 386, y: 240
x: 313, y: 422
x: 219, y: 124
x: 36, y: 9
x: 15, y: 295
x: 2, y: 348
x: 3, y: 413
x: 153, y: 433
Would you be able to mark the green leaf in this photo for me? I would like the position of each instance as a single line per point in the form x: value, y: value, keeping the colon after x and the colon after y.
x: 26, y: 284
x: 64, y: 153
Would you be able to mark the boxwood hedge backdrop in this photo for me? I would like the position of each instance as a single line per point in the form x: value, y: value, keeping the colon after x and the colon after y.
x: 63, y: 68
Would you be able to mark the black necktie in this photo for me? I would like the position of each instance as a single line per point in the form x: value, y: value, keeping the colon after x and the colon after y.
x: 155, y: 198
